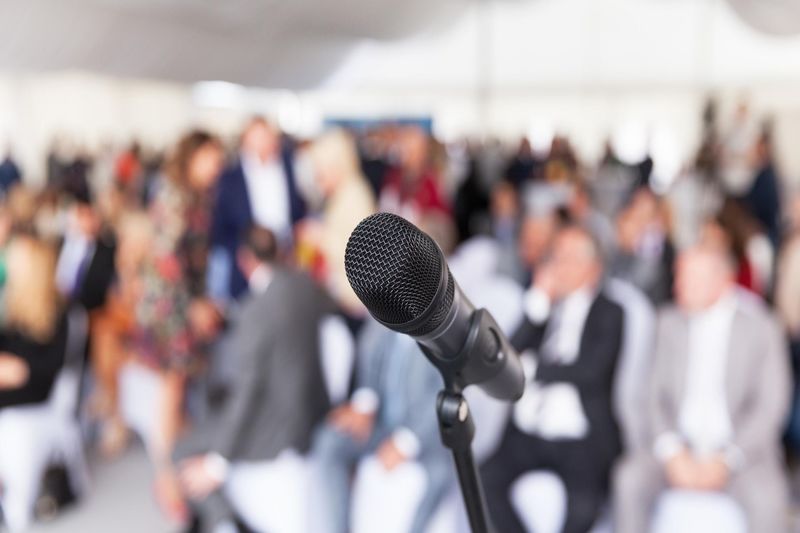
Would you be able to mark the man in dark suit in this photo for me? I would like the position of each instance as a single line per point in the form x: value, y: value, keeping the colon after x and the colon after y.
x: 278, y: 394
x: 85, y: 267
x: 564, y: 423
x: 259, y: 188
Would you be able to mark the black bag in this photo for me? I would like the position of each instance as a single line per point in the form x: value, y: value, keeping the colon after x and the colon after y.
x: 56, y: 493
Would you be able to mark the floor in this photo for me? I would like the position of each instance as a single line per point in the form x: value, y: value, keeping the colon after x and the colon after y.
x: 121, y: 501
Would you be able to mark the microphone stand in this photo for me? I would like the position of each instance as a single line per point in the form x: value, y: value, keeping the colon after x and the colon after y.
x: 457, y: 430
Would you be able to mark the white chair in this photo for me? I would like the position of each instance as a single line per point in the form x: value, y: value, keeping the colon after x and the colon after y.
x: 386, y: 501
x: 35, y: 436
x: 272, y: 495
x: 697, y: 512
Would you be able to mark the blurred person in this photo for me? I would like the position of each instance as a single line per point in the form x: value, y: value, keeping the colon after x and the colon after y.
x: 347, y: 199
x: 10, y: 174
x: 536, y: 235
x: 173, y: 319
x: 734, y: 228
x: 112, y: 326
x: 278, y: 393
x: 717, y: 402
x: 736, y: 163
x: 32, y: 351
x: 391, y: 415
x: 762, y: 199
x: 561, y: 165
x: 644, y: 252
x: 570, y: 340
x: 504, y: 214
x: 259, y: 188
x: 23, y: 209
x: 85, y: 266
x: 787, y: 305
x: 413, y: 188
x: 523, y: 165
x: 581, y: 210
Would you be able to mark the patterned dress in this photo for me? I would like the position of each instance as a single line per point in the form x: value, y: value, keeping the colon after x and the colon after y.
x: 171, y: 277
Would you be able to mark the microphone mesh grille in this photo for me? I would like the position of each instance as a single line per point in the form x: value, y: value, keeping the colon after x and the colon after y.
x: 394, y: 269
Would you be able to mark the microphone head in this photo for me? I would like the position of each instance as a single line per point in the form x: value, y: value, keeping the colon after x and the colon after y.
x: 399, y: 273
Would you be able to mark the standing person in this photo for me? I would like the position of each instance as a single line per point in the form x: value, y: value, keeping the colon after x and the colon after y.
x: 347, y: 199
x: 570, y: 340
x: 763, y: 199
x: 259, y: 188
x: 412, y: 189
x: 171, y: 315
x: 717, y: 403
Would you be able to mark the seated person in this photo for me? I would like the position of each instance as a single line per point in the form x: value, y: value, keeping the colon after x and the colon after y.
x: 32, y: 352
x: 392, y: 414
x: 717, y: 403
x: 564, y: 423
x: 277, y: 396
x: 33, y: 341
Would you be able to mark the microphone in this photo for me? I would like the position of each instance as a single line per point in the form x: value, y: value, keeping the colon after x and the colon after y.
x: 402, y: 277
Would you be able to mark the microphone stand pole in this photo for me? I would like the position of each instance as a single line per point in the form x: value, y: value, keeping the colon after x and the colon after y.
x: 457, y: 431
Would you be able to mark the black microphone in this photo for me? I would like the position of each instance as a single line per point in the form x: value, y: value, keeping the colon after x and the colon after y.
x: 402, y: 277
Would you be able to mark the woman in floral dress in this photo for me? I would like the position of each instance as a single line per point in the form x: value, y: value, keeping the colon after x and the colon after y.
x: 172, y: 315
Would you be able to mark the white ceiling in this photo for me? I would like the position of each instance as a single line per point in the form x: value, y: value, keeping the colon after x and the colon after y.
x: 391, y: 44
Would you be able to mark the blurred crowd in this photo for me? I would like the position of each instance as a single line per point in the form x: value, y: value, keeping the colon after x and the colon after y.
x: 197, y: 300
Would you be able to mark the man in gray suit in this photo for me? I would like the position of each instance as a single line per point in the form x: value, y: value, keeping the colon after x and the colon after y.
x: 392, y: 414
x: 717, y: 404
x: 278, y: 393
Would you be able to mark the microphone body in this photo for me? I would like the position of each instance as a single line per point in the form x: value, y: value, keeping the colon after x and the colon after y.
x: 402, y: 277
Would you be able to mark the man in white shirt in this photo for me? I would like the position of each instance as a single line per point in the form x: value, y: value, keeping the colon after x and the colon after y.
x: 564, y: 423
x: 717, y: 404
x: 258, y: 189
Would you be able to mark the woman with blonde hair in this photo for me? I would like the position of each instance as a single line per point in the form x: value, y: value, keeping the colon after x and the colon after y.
x: 346, y: 200
x: 32, y: 350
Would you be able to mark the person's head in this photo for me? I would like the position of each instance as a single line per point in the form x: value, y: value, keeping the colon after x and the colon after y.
x: 85, y: 219
x: 703, y: 274
x: 31, y: 296
x: 415, y: 151
x: 576, y: 259
x: 259, y: 248
x: 536, y: 237
x: 261, y: 139
x: 504, y: 204
x: 197, y: 161
x: 335, y: 160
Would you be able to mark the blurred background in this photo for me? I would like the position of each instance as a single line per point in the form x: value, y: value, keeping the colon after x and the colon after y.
x: 180, y: 349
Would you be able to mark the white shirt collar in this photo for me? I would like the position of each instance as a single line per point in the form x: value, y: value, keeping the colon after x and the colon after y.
x: 260, y: 279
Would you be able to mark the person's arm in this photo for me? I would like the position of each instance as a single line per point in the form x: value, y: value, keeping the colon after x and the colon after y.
x: 661, y: 405
x: 530, y: 333
x: 44, y: 363
x: 595, y: 365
